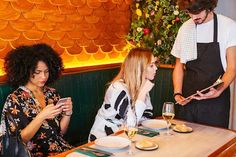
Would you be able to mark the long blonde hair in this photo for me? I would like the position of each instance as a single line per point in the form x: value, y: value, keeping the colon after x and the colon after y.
x: 133, y: 69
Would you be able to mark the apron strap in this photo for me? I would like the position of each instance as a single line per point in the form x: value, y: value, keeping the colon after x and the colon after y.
x: 215, y: 28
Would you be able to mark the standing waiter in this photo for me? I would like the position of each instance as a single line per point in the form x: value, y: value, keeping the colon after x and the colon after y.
x: 205, y: 48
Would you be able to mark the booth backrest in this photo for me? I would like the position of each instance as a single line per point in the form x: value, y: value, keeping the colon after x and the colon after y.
x: 87, y: 90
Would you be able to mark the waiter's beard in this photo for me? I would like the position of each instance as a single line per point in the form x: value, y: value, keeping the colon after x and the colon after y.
x: 196, y: 21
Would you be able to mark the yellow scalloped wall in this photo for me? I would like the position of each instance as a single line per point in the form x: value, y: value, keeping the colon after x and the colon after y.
x: 83, y: 32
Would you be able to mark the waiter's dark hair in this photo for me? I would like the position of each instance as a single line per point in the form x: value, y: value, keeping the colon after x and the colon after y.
x: 196, y: 6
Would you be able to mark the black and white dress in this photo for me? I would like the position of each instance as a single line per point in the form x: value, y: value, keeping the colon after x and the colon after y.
x: 111, y: 114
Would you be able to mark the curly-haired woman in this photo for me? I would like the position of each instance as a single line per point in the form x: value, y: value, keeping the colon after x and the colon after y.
x: 41, y: 124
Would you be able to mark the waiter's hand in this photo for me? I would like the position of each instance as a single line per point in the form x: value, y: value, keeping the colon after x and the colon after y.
x: 213, y: 93
x: 182, y: 100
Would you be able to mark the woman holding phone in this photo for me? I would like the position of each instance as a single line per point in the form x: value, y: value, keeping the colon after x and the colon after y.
x: 40, y: 122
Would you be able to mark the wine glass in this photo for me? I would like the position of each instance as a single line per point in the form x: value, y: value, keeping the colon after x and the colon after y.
x: 130, y: 126
x: 168, y: 113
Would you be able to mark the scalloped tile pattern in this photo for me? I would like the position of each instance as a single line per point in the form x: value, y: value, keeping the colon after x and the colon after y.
x: 81, y: 31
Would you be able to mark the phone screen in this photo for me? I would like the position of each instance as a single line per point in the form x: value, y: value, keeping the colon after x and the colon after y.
x: 61, y: 101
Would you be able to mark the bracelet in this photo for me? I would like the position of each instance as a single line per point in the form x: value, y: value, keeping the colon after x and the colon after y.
x: 177, y: 94
x: 68, y: 114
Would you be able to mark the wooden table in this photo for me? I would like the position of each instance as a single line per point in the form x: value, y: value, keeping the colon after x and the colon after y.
x: 203, y: 141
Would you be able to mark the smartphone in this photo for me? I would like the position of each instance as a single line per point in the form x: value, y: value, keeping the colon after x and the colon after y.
x: 62, y: 101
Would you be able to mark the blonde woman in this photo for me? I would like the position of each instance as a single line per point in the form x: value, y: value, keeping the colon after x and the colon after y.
x: 130, y: 87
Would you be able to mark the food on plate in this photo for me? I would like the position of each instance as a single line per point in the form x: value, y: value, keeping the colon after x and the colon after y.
x: 145, y: 144
x: 182, y: 128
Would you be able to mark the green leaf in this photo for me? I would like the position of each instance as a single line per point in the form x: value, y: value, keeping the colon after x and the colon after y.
x: 162, y: 25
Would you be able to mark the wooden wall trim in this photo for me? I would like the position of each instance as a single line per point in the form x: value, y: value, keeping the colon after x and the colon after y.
x: 167, y: 66
x: 102, y: 67
x: 90, y: 68
x: 2, y: 79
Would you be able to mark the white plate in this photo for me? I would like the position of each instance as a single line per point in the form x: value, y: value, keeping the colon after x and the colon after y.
x: 112, y: 142
x: 154, y: 124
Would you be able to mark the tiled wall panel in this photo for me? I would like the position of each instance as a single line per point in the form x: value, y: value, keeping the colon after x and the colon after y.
x: 83, y: 32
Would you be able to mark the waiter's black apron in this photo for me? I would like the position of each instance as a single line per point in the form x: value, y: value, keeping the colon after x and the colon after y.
x: 199, y: 74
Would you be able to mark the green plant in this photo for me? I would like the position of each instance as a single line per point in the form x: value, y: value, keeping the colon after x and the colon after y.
x: 155, y: 24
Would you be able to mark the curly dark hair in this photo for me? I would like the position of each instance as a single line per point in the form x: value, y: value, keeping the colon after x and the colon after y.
x: 21, y: 62
x: 196, y: 6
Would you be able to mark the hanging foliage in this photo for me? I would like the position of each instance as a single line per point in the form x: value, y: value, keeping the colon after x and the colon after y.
x: 155, y: 24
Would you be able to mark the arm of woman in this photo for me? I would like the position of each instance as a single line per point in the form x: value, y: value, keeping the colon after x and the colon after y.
x: 146, y: 86
x: 67, y: 109
x: 49, y: 112
x: 64, y: 123
x: 116, y: 99
x: 140, y: 105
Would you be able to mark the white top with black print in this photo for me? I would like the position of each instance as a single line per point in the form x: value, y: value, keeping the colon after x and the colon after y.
x: 112, y: 112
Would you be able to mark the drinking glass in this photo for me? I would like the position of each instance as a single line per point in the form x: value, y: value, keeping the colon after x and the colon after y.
x: 130, y: 126
x: 168, y: 113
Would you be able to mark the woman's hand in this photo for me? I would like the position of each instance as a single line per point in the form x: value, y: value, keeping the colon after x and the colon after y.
x: 146, y: 86
x: 50, y: 111
x: 67, y: 107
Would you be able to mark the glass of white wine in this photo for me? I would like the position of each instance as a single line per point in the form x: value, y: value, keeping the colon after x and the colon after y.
x: 168, y: 113
x: 130, y: 127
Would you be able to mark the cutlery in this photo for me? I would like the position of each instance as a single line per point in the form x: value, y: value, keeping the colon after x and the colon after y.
x: 149, y: 130
x: 96, y: 150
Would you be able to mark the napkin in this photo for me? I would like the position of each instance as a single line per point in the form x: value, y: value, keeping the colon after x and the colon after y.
x: 146, y: 132
x: 92, y: 153
x: 187, y: 43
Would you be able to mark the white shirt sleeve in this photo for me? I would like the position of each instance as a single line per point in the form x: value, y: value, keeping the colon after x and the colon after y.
x: 231, y: 40
x: 140, y: 107
x: 185, y: 46
x: 176, y: 47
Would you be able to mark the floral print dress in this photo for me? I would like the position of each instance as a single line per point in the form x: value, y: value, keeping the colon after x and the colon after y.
x: 23, y: 107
